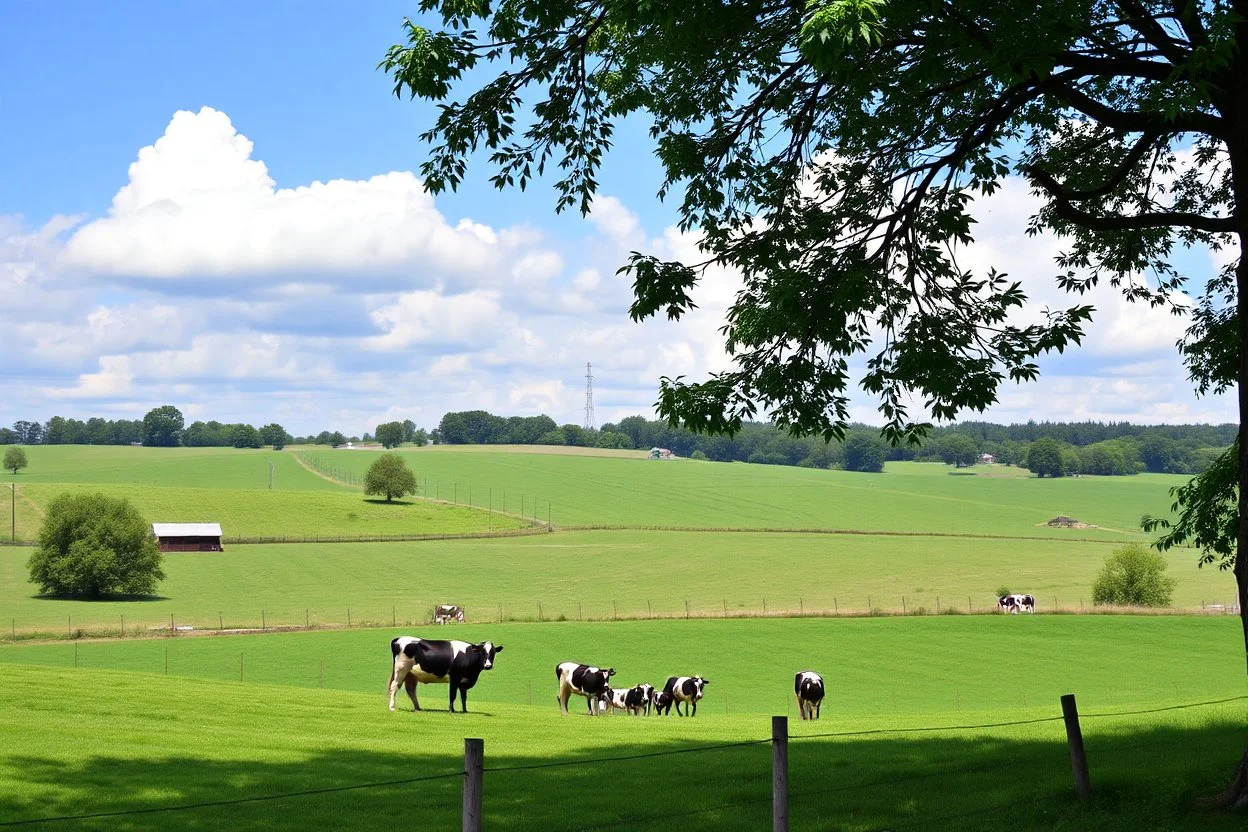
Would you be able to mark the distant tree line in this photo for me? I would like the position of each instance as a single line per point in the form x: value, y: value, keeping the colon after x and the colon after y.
x: 1116, y: 448
x: 1049, y: 449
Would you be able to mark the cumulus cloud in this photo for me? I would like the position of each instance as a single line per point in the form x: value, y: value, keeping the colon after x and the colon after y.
x: 198, y: 204
x: 349, y: 302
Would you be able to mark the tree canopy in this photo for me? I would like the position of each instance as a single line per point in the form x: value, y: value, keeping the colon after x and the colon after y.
x: 389, y: 477
x: 14, y: 459
x: 391, y: 434
x: 958, y: 450
x: 162, y: 427
x: 92, y: 545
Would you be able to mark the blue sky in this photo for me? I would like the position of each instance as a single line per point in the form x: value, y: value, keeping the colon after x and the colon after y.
x: 255, y: 294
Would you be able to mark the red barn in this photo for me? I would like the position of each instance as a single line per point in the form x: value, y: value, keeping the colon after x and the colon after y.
x: 188, y: 537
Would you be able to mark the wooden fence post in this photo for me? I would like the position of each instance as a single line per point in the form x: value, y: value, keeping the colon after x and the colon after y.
x: 474, y: 762
x: 780, y: 774
x: 1074, y: 738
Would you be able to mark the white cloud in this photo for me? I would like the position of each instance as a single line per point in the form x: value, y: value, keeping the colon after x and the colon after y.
x: 197, y: 204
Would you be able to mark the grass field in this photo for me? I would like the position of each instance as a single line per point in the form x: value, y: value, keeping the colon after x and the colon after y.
x: 599, y: 574
x: 588, y: 490
x: 134, y: 739
x: 231, y: 487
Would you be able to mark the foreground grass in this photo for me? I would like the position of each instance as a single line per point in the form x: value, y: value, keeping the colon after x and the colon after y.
x: 132, y: 741
x: 599, y: 574
x: 874, y: 666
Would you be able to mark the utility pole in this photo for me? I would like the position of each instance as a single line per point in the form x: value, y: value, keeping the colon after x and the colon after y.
x: 589, y: 397
x: 13, y: 508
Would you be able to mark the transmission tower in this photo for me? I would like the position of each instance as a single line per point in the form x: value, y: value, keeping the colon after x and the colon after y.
x: 589, y: 397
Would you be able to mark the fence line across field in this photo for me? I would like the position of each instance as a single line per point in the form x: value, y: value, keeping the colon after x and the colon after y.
x: 474, y: 772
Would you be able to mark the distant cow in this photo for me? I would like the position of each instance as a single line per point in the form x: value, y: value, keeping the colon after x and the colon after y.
x: 663, y: 703
x: 583, y: 680
x: 1015, y: 603
x: 687, y: 690
x: 439, y: 662
x: 443, y: 613
x: 808, y: 686
x: 639, y: 699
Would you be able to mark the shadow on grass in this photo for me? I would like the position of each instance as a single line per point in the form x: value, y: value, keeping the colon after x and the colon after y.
x: 379, y: 502
x: 1146, y: 780
x: 120, y: 596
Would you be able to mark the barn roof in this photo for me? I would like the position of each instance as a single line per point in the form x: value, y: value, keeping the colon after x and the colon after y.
x: 186, y: 529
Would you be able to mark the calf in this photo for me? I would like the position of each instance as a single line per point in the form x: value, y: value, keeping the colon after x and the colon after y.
x: 1027, y: 603
x: 638, y: 699
x: 439, y: 662
x: 583, y: 680
x: 443, y: 613
x: 808, y: 685
x: 686, y: 689
x: 663, y: 703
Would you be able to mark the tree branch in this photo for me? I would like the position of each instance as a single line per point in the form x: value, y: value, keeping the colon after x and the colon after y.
x: 1061, y: 201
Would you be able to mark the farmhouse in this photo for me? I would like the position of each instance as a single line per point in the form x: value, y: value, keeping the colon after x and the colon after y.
x: 188, y: 537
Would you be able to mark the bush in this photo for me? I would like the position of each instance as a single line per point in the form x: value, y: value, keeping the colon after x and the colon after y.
x: 1003, y: 591
x: 1133, y: 575
x: 698, y: 455
x: 389, y: 477
x: 92, y: 545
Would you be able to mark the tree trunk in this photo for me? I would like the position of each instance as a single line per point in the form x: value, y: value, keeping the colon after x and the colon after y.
x: 1236, y: 793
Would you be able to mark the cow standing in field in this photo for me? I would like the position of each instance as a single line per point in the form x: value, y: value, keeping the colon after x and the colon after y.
x: 583, y: 680
x: 638, y: 699
x: 808, y: 686
x: 663, y: 703
x: 1016, y: 603
x: 443, y: 613
x: 686, y: 690
x: 439, y: 662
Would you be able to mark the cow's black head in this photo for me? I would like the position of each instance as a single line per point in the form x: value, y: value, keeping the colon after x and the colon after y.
x: 488, y: 650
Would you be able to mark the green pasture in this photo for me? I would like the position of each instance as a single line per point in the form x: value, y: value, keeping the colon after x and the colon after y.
x: 907, y: 497
x: 117, y: 734
x: 593, y: 574
x: 227, y: 468
x: 264, y: 513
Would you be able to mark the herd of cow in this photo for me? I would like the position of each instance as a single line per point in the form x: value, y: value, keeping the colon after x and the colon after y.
x: 460, y: 664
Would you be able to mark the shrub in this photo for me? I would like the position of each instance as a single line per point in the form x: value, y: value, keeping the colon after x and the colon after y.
x: 1133, y: 575
x: 389, y: 477
x: 1003, y: 591
x: 92, y: 545
x: 698, y: 455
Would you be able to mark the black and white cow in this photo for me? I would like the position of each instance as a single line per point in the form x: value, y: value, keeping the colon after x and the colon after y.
x: 439, y: 662
x: 638, y: 699
x: 443, y: 613
x: 1015, y: 603
x: 686, y: 689
x: 663, y: 703
x: 583, y: 680
x: 808, y: 686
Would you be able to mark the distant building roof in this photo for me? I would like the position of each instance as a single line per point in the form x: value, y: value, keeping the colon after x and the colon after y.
x: 186, y: 529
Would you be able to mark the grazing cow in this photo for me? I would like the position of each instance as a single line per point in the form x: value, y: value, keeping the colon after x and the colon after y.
x: 808, y: 685
x: 438, y: 662
x: 686, y: 689
x: 583, y: 680
x: 443, y: 613
x: 1016, y: 603
x: 638, y: 699
x: 663, y: 703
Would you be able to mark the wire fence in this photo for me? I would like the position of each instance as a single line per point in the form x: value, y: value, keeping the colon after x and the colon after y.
x: 472, y: 775
x: 419, y: 613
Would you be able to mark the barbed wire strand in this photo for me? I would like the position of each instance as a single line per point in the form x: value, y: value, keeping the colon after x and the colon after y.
x: 233, y: 802
x: 1167, y: 708
x: 647, y: 755
x: 927, y: 730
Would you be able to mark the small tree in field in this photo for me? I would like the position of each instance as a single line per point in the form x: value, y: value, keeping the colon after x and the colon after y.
x: 959, y: 450
x: 390, y: 477
x: 1133, y: 575
x: 1044, y: 459
x: 14, y: 459
x: 92, y: 545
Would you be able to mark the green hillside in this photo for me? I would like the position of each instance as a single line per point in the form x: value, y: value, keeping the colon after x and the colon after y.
x: 590, y: 490
x: 597, y: 575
